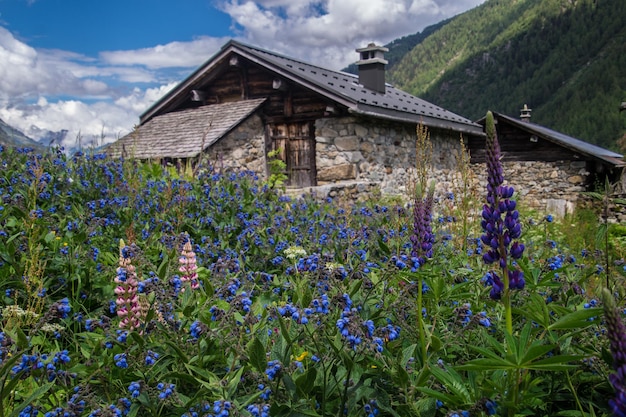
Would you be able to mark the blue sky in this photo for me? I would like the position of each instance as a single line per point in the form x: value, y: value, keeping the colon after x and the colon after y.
x: 92, y: 67
x: 87, y: 26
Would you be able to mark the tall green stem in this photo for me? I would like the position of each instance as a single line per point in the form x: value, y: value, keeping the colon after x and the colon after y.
x: 420, y: 320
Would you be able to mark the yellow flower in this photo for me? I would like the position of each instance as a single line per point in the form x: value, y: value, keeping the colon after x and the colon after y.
x: 302, y: 356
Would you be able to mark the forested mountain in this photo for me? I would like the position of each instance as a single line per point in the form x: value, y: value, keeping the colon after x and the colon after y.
x: 398, y: 48
x: 566, y: 59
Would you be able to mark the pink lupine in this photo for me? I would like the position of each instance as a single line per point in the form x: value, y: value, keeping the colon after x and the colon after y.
x: 188, y: 266
x: 129, y: 309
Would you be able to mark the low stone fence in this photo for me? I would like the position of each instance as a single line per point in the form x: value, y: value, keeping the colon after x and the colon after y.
x: 344, y: 193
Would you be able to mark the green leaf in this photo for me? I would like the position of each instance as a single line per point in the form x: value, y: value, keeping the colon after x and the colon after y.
x: 484, y: 364
x: 555, y: 363
x: 50, y: 237
x: 486, y: 352
x: 137, y: 338
x: 206, y: 375
x: 571, y: 413
x: 435, y: 344
x: 256, y: 352
x: 453, y: 382
x: 134, y: 409
x: 445, y: 398
x: 535, y: 352
x: 22, y: 339
x: 306, y: 382
x: 234, y: 382
x: 577, y: 319
x: 37, y: 393
x: 408, y: 353
x: 162, y: 269
x: 15, y: 236
x: 283, y: 329
x: 536, y: 310
x: 179, y: 352
x: 383, y: 247
x: 290, y: 386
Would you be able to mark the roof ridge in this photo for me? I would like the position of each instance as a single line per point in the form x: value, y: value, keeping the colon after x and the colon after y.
x: 290, y: 58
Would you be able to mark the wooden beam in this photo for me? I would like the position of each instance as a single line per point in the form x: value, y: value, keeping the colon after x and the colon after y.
x: 288, y: 109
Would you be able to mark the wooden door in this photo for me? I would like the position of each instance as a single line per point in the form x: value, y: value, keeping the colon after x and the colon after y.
x: 296, y: 145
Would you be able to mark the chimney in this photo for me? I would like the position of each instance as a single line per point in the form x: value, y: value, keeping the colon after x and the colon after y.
x: 371, y: 67
x: 525, y: 114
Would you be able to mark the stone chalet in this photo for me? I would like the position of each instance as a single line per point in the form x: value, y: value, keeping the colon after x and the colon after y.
x: 339, y: 134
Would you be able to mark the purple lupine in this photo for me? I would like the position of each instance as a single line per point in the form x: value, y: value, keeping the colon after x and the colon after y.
x: 616, y: 332
x: 423, y: 237
x: 500, y: 219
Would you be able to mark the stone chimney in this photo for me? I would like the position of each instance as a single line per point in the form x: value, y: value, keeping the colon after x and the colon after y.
x: 525, y: 114
x: 371, y: 67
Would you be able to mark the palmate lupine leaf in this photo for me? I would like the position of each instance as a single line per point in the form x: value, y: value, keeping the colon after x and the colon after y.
x: 455, y: 383
x: 576, y: 319
x: 521, y: 352
x: 536, y: 310
x: 552, y: 363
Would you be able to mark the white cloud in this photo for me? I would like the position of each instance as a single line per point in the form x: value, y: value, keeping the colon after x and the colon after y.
x: 173, y: 54
x: 139, y: 100
x: 99, y: 122
x: 50, y: 90
x: 44, y: 91
x: 327, y: 32
x: 26, y: 72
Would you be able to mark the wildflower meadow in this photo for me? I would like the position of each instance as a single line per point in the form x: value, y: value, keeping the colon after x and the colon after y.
x: 131, y: 289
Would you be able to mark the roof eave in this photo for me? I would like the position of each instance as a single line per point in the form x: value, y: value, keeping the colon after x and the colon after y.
x: 432, y: 122
x: 529, y: 128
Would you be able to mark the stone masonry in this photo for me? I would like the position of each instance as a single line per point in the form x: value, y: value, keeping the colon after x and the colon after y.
x: 359, y: 159
x: 352, y: 149
x: 241, y: 149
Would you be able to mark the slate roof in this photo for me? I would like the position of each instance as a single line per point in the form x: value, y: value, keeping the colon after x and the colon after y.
x: 183, y: 134
x: 338, y: 86
x: 565, y: 141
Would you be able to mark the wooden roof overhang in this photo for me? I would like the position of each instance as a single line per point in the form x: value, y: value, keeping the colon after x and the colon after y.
x: 574, y: 145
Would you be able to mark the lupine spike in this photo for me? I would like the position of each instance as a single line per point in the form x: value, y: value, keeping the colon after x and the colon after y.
x: 188, y: 266
x: 423, y: 237
x: 501, y: 219
x: 128, y: 307
x: 616, y: 332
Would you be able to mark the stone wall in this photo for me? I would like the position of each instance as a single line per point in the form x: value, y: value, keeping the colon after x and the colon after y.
x: 241, y: 149
x: 553, y: 187
x: 344, y: 193
x: 354, y: 149
x: 358, y: 160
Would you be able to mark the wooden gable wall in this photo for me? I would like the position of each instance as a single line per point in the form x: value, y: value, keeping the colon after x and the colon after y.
x: 238, y: 79
x: 516, y: 145
x: 288, y: 114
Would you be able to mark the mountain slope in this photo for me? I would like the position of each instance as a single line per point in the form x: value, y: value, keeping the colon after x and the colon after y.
x: 10, y: 136
x: 398, y: 48
x: 566, y: 59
